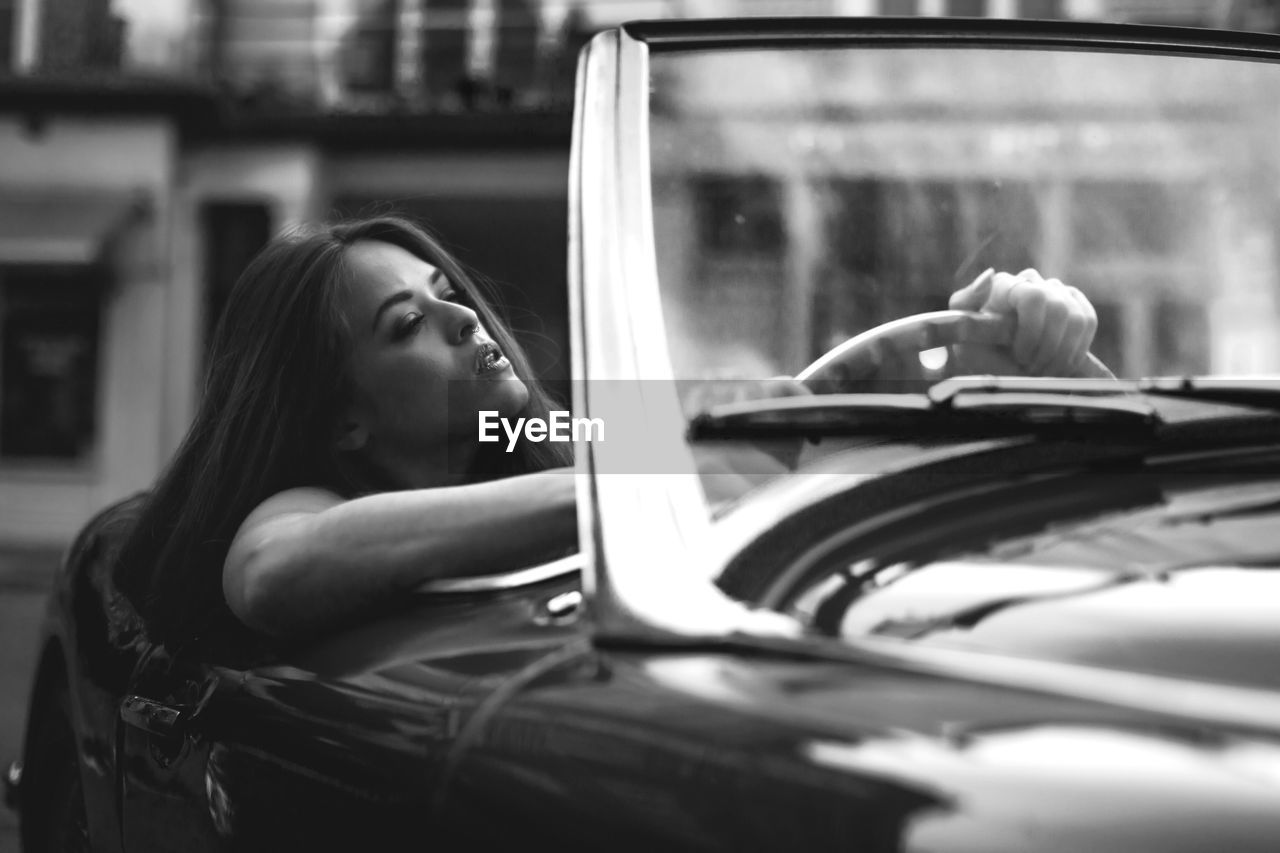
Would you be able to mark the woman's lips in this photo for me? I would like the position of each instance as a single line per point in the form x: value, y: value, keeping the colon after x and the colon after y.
x: 489, y: 359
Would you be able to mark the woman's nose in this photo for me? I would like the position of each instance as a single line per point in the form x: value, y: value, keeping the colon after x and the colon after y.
x: 465, y: 324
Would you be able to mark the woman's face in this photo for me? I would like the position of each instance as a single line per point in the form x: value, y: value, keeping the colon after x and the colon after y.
x: 421, y: 365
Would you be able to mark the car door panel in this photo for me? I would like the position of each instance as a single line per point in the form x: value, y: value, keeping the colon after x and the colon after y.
x: 339, y: 743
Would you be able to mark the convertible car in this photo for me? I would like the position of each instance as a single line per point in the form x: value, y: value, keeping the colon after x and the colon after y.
x: 919, y: 609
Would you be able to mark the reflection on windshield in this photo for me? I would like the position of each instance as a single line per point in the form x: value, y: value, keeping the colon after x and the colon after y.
x: 1186, y: 586
x: 803, y: 196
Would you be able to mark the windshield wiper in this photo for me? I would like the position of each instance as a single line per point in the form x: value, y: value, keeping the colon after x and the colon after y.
x: 1259, y: 392
x: 948, y: 389
x: 980, y: 408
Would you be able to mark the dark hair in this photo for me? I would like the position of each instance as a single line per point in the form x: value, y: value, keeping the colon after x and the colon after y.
x: 275, y: 386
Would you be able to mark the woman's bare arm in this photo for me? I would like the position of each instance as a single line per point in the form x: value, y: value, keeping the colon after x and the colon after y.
x: 307, y: 559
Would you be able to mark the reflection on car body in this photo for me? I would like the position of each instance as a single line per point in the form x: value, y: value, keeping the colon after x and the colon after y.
x: 996, y: 614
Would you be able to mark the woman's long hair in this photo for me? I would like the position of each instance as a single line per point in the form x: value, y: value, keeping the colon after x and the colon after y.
x: 275, y: 387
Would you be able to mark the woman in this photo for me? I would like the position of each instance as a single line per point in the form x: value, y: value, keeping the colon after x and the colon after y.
x: 333, y: 460
x: 334, y: 463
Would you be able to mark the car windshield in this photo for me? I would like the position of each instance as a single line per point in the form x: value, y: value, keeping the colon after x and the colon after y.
x: 802, y: 196
x: 1179, y: 580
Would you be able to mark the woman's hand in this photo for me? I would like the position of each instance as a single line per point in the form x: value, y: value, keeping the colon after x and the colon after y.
x: 1053, y: 325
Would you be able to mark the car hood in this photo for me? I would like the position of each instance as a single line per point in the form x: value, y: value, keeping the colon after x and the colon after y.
x: 1205, y: 623
x: 710, y: 750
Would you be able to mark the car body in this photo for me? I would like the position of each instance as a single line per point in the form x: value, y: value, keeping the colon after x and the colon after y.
x: 1002, y: 614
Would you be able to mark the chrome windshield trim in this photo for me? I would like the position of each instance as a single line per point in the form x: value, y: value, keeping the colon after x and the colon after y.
x: 798, y: 31
x: 577, y: 330
x: 1255, y: 709
x: 562, y: 567
x: 1227, y: 704
x: 645, y: 532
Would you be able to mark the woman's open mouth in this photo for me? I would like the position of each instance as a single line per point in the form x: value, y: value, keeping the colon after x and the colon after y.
x: 490, y: 359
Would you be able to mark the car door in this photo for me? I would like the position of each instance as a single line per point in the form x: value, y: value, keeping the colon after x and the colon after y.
x: 340, y: 743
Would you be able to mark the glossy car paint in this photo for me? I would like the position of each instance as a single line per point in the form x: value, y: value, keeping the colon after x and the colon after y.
x: 706, y: 750
x: 90, y: 643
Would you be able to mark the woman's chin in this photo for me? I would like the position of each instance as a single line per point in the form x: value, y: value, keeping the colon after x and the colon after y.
x: 512, y: 395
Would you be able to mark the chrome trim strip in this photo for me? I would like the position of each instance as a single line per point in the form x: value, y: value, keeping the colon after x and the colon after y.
x: 579, y: 337
x: 645, y: 529
x: 767, y: 32
x: 1247, y: 707
x: 1186, y: 702
x: 13, y: 785
x: 507, y: 580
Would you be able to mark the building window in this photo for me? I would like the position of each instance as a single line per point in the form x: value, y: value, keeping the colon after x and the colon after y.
x: 967, y: 8
x: 444, y: 49
x: 370, y: 51
x: 1051, y: 9
x: 899, y: 7
x: 8, y: 26
x: 1181, y: 336
x: 76, y: 35
x: 233, y: 233
x: 516, y: 54
x: 49, y: 321
x: 740, y: 215
x: 899, y: 240
x: 1136, y: 219
x: 900, y: 247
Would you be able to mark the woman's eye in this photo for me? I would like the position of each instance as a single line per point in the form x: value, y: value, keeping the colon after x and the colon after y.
x: 452, y: 295
x: 408, y: 324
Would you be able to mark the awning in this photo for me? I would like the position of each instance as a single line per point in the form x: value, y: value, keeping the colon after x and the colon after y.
x: 60, y: 227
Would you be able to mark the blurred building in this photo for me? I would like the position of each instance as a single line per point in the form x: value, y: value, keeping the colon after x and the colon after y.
x: 868, y: 214
x: 86, y: 191
x: 8, y: 35
x: 148, y: 149
x: 889, y: 188
x: 132, y: 194
x: 79, y: 35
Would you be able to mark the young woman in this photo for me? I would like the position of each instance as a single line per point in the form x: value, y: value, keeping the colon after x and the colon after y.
x: 334, y: 465
x: 333, y: 461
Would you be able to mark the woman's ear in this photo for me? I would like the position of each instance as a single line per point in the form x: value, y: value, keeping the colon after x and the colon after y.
x: 350, y: 435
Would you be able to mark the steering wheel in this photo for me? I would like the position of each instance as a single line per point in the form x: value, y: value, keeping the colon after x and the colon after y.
x: 890, y: 355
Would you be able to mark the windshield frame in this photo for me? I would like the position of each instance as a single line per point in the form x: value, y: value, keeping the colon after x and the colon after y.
x: 639, y: 534
x: 766, y: 32
x: 629, y: 536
